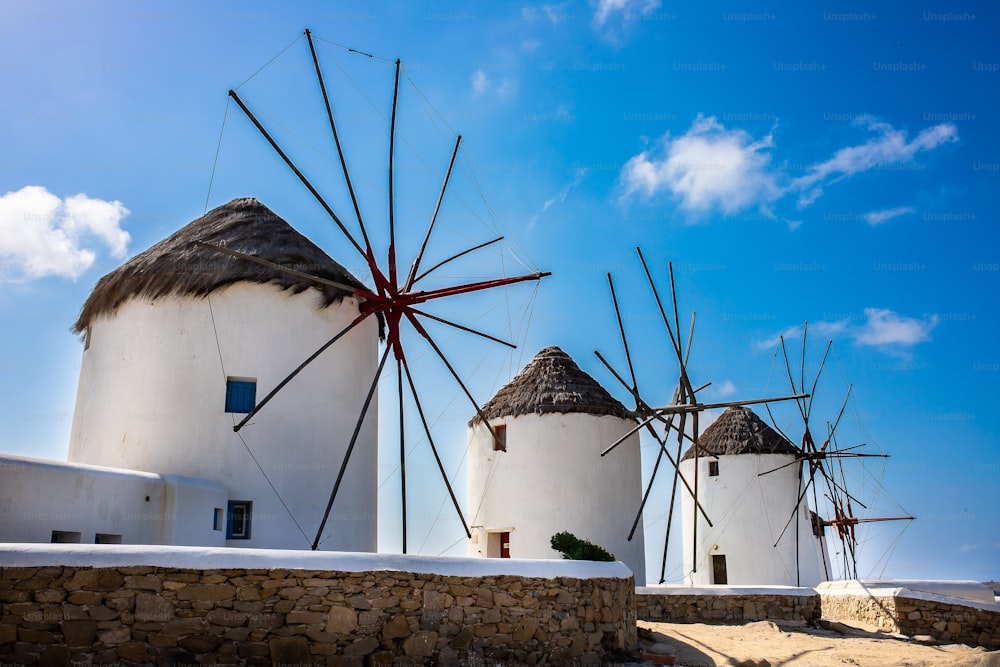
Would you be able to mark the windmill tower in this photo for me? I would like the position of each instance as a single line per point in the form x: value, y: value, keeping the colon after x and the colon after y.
x: 542, y: 473
x: 176, y: 343
x: 748, y: 542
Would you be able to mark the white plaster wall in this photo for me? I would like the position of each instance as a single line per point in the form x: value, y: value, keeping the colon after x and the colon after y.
x: 551, y: 479
x: 152, y: 397
x: 39, y: 496
x: 748, y: 513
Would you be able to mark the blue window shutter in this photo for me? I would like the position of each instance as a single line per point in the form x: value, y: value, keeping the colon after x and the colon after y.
x: 241, y: 395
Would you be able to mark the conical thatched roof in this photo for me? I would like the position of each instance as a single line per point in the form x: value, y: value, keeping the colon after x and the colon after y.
x: 552, y: 382
x: 176, y: 266
x: 740, y: 431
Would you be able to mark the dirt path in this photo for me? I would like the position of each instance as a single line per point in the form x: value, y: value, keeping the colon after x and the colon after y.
x: 748, y: 645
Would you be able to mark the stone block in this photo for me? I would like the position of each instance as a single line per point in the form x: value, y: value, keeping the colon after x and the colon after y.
x: 146, y: 583
x: 434, y: 600
x: 200, y: 644
x: 363, y: 646
x: 207, y: 592
x: 79, y: 632
x: 290, y: 651
x: 95, y: 580
x: 346, y: 661
x: 228, y: 618
x: 397, y: 628
x: 525, y: 629
x: 115, y: 636
x: 133, y: 652
x: 305, y: 618
x: 341, y: 621
x: 151, y: 608
x: 421, y: 644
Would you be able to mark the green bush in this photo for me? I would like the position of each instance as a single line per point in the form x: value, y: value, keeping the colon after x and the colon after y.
x: 573, y: 548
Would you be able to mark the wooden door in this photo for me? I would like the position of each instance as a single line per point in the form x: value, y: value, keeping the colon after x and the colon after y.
x: 719, y: 570
x: 505, y: 545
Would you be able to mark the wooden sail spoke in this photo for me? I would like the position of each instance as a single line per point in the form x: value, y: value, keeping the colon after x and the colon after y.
x: 350, y: 448
x: 437, y: 457
x: 411, y: 278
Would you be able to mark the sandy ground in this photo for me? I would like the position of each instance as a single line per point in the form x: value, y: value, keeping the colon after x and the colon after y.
x: 748, y: 645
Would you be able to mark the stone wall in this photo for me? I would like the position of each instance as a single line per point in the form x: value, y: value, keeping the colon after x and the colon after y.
x: 247, y: 616
x: 947, y: 621
x: 726, y: 605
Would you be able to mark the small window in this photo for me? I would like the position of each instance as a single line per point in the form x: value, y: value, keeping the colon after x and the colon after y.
x: 218, y: 519
x: 65, y: 537
x: 238, y: 520
x: 241, y: 394
x: 500, y: 439
x: 107, y: 538
x: 713, y: 468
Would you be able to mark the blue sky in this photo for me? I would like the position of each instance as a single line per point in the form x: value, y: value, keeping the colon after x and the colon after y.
x: 835, y: 163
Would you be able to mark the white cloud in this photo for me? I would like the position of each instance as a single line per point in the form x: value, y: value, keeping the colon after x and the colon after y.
x: 610, y: 9
x: 885, y: 328
x: 725, y: 389
x: 480, y: 82
x: 878, y: 217
x: 888, y: 148
x: 43, y: 235
x: 554, y: 13
x: 708, y: 167
x: 711, y: 167
x: 483, y: 84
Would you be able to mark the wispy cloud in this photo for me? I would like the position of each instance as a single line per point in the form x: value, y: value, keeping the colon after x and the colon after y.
x: 578, y: 176
x: 610, y: 16
x: 714, y: 168
x: 44, y: 235
x: 889, y: 147
x: 554, y: 13
x: 883, y: 328
x: 482, y: 84
x: 708, y: 167
x: 878, y: 217
x: 608, y: 10
x: 724, y: 389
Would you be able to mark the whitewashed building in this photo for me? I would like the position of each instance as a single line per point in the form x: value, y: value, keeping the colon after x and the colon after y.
x: 749, y: 510
x: 180, y: 343
x: 544, y: 474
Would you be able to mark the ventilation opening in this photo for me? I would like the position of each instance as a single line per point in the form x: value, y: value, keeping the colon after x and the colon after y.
x: 218, y: 519
x: 107, y: 538
x: 65, y: 537
x: 713, y: 468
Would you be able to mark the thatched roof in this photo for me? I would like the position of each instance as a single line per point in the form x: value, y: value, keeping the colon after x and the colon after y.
x: 552, y: 382
x: 740, y: 431
x: 176, y: 266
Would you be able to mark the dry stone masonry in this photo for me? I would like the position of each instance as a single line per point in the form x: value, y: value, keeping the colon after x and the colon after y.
x: 681, y: 604
x: 952, y: 622
x: 167, y: 615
